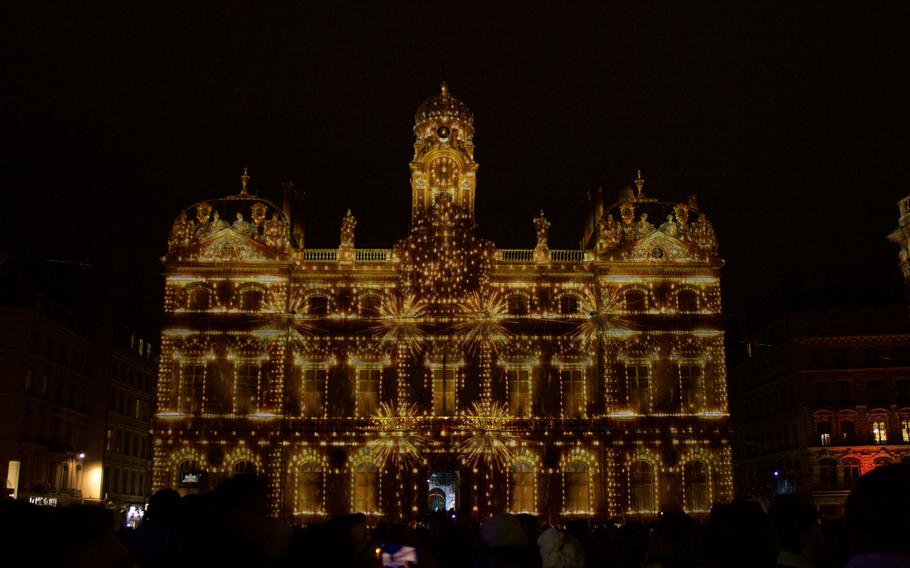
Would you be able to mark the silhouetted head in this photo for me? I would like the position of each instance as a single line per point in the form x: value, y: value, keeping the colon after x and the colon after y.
x: 163, y: 506
x: 876, y: 512
x: 739, y: 534
x: 796, y: 523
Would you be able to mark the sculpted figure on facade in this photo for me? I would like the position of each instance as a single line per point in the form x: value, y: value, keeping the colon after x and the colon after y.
x: 347, y: 230
x: 181, y: 232
x: 244, y: 227
x: 644, y: 227
x: 542, y: 226
x: 670, y: 227
x: 275, y: 232
x: 609, y: 234
x: 703, y: 234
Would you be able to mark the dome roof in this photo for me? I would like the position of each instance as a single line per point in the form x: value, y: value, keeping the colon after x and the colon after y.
x: 443, y: 106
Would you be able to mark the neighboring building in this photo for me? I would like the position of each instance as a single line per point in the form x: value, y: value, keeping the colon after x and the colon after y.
x: 444, y: 373
x: 901, y: 237
x: 64, y: 384
x: 821, y: 397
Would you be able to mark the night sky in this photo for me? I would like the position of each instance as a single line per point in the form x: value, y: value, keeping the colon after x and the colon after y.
x: 790, y: 125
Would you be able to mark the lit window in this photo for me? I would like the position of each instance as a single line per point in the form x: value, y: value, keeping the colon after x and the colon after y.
x: 574, y: 403
x: 308, y: 488
x: 577, y: 490
x: 368, y: 391
x: 639, y: 388
x: 824, y: 433
x: 444, y: 392
x: 696, y: 486
x: 879, y: 432
x: 641, y: 488
x: 522, y: 487
x: 519, y: 385
x: 366, y: 488
x: 905, y: 431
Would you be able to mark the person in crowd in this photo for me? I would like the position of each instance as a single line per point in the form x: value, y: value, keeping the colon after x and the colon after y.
x: 504, y: 544
x: 560, y: 550
x: 676, y: 542
x: 877, y: 519
x: 798, y: 530
x: 739, y: 535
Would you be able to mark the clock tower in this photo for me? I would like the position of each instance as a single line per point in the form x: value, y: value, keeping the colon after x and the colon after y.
x: 443, y: 153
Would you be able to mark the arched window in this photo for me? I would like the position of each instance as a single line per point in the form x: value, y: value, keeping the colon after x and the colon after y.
x: 517, y: 305
x: 695, y: 478
x: 875, y: 393
x: 905, y: 430
x: 308, y: 488
x: 687, y: 301
x: 880, y: 461
x: 576, y: 487
x: 522, y: 487
x: 198, y: 298
x: 568, y: 304
x: 827, y: 472
x: 366, y: 488
x: 641, y: 487
x: 369, y: 306
x: 847, y: 431
x: 185, y: 471
x: 879, y: 432
x: 824, y: 433
x: 317, y: 306
x: 635, y: 301
x: 437, y: 500
x: 851, y: 470
x: 244, y: 467
x: 251, y: 300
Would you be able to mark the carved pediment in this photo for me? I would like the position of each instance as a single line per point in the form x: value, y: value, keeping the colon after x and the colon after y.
x: 660, y: 247
x: 228, y: 245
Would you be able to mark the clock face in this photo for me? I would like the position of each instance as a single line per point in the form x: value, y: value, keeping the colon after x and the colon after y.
x: 443, y: 132
x: 444, y: 173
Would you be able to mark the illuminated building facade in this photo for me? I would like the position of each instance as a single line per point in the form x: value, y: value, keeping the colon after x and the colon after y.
x: 445, y: 373
x: 822, y: 397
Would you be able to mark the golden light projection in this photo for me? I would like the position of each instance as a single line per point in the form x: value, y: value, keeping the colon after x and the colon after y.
x: 443, y: 371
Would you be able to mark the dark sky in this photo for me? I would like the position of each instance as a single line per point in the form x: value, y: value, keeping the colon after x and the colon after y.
x: 789, y: 123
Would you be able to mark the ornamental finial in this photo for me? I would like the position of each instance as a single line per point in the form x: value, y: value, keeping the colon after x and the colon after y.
x: 444, y: 88
x: 244, y: 180
x: 639, y: 182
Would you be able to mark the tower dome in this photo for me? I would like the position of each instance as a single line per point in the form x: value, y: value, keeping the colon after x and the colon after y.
x: 443, y: 110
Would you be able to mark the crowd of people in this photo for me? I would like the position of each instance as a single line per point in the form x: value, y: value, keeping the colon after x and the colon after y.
x: 231, y: 527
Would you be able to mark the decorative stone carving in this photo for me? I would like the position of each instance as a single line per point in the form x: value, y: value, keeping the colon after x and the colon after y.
x: 609, y: 233
x: 181, y: 232
x: 702, y: 234
x: 347, y: 230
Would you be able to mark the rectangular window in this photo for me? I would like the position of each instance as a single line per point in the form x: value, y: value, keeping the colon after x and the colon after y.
x: 190, y: 396
x: 246, y: 391
x: 312, y: 392
x: 848, y: 431
x: 444, y: 392
x: 689, y: 387
x: 639, y: 379
x: 824, y: 433
x: 574, y: 404
x: 368, y: 391
x: 519, y: 385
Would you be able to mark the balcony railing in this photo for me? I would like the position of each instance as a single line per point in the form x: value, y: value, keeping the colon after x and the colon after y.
x: 360, y: 255
x: 527, y: 255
